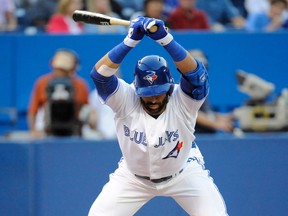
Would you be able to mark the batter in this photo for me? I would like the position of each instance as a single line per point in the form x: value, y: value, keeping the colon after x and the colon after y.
x: 155, y: 120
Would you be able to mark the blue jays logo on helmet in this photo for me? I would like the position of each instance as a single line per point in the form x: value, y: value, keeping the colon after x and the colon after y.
x: 152, y: 76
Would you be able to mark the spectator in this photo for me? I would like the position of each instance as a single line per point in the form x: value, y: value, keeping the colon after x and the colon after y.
x: 187, y: 16
x: 103, y: 7
x: 61, y: 89
x: 130, y: 7
x: 256, y: 6
x: 61, y: 21
x: 116, y: 8
x: 38, y: 14
x: 268, y: 21
x: 208, y: 120
x: 222, y: 14
x: 240, y: 5
x: 152, y: 9
x: 169, y: 6
x: 8, y: 19
x: 285, y: 25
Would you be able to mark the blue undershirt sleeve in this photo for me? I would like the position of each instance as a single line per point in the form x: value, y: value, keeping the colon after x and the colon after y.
x: 105, y: 86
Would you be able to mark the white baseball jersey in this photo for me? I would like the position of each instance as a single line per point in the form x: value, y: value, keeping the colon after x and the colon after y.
x: 155, y: 147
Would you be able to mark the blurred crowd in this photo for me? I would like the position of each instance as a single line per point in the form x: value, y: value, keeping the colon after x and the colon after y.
x: 55, y: 16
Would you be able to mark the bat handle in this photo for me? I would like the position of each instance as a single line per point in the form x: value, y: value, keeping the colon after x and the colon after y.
x: 153, y: 29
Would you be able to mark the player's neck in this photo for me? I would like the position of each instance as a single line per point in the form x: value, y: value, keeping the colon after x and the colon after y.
x: 155, y: 116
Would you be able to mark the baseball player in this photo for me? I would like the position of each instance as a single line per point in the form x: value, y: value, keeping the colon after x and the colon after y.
x: 155, y: 121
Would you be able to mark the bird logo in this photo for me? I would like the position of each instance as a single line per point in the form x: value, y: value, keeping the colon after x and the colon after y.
x: 175, y: 151
x: 151, y: 77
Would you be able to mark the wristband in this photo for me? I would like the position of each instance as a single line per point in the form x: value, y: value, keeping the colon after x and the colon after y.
x: 130, y: 42
x: 166, y: 40
x: 176, y: 51
x: 118, y: 53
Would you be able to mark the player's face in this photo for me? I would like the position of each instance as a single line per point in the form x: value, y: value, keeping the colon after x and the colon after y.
x: 154, y: 105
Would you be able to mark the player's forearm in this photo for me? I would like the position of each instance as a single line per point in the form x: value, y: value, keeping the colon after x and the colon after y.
x: 182, y: 59
x: 116, y: 55
x: 109, y: 63
x: 188, y: 64
x: 105, y: 60
x: 180, y: 56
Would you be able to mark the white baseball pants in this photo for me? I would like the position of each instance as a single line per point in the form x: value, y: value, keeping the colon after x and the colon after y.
x: 193, y: 189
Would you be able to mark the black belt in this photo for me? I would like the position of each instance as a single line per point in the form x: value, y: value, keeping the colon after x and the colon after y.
x: 166, y: 178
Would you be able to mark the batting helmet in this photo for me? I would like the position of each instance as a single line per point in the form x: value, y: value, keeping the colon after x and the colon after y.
x: 152, y: 76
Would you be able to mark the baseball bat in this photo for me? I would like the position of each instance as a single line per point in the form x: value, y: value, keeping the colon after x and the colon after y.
x: 101, y: 19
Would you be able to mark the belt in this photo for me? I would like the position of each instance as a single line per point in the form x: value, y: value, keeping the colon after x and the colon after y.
x: 159, y: 180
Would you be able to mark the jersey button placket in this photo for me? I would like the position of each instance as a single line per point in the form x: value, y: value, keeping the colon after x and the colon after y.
x: 153, y: 153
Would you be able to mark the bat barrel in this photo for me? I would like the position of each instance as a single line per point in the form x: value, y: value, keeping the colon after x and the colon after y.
x: 91, y: 18
x: 101, y: 19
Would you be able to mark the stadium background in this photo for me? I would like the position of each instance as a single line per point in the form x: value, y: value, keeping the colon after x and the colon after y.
x: 63, y: 176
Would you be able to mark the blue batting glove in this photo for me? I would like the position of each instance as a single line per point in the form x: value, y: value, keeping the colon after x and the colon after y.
x: 135, y: 33
x: 161, y: 35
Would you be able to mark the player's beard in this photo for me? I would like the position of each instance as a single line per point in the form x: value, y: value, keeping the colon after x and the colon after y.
x: 155, y: 112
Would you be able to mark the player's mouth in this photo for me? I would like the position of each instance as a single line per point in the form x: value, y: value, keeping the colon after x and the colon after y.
x: 153, y: 106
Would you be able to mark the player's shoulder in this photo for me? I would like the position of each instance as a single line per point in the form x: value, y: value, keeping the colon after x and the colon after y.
x: 125, y: 91
x: 177, y: 92
x: 122, y: 82
x: 175, y: 89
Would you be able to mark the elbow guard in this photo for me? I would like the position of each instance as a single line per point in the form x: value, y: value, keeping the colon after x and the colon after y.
x: 196, y: 83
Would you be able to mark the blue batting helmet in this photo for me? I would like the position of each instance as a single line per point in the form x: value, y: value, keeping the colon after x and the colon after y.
x: 152, y: 76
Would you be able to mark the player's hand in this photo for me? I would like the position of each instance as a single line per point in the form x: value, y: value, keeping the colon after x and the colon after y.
x: 135, y: 32
x: 162, y: 36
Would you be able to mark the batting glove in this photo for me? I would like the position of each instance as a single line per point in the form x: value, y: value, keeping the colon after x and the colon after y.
x: 135, y: 32
x: 161, y: 36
